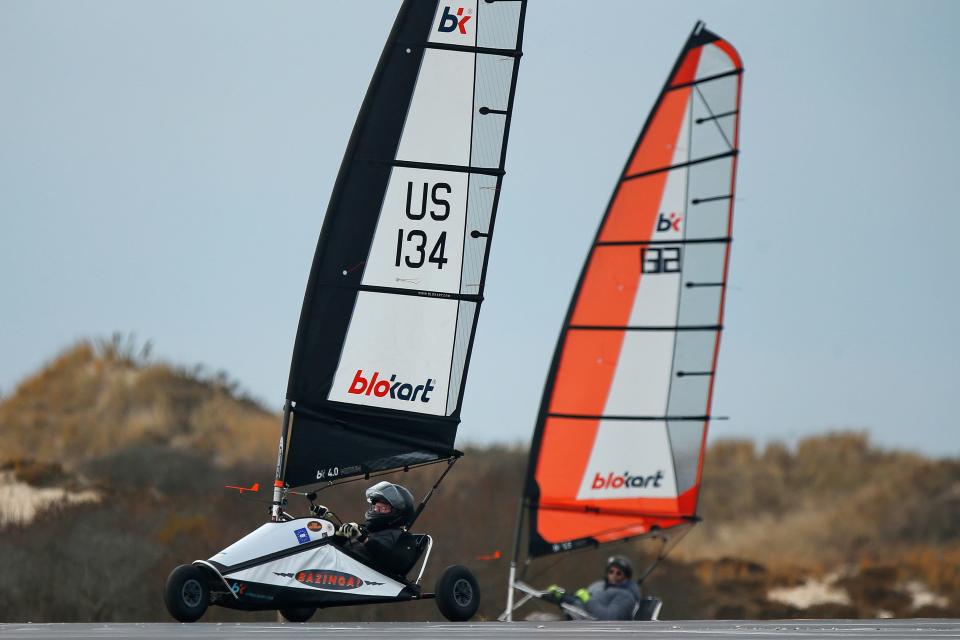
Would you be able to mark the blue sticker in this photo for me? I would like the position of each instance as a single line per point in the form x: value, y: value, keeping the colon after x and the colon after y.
x: 302, y: 535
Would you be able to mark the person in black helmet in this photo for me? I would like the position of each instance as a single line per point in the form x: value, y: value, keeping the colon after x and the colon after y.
x: 383, y: 541
x: 614, y: 598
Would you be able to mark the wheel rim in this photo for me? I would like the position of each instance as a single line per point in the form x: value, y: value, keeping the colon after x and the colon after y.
x: 462, y: 592
x: 192, y: 593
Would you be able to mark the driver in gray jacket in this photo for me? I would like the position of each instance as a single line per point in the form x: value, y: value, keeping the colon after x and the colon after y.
x: 614, y: 598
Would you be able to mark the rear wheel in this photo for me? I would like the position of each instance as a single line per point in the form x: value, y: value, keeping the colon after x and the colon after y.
x: 458, y: 594
x: 186, y: 594
x: 298, y: 614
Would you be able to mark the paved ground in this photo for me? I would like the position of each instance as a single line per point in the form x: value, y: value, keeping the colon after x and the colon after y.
x: 702, y: 630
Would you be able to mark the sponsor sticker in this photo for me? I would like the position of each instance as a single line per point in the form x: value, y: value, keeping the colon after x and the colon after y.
x: 326, y: 579
x: 302, y: 535
x: 314, y: 525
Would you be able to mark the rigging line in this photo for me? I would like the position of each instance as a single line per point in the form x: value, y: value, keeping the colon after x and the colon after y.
x: 645, y: 243
x: 681, y: 165
x: 453, y: 168
x: 579, y: 416
x: 713, y: 117
x: 600, y: 327
x: 719, y: 76
x: 710, y: 199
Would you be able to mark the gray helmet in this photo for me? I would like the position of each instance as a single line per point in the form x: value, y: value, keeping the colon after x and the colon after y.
x: 623, y: 562
x: 400, y: 501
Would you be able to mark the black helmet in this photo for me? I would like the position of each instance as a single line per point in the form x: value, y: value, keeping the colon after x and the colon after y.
x: 623, y: 562
x: 400, y: 500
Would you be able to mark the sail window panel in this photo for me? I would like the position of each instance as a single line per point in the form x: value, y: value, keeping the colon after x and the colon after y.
x: 499, y: 23
x: 419, y: 240
x: 715, y: 104
x: 686, y: 440
x: 404, y: 341
x: 639, y: 453
x: 483, y: 192
x: 714, y: 60
x: 704, y: 262
x: 609, y: 287
x: 688, y: 396
x: 439, y: 122
x: 494, y: 75
x: 586, y: 370
x: 706, y: 219
x: 703, y: 273
x: 700, y: 305
x: 710, y: 180
x: 455, y: 23
x: 711, y: 133
x: 465, y: 318
x: 641, y: 381
x: 694, y: 354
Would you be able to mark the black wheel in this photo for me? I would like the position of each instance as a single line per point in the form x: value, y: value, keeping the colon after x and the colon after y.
x: 298, y: 614
x: 458, y: 594
x: 186, y: 593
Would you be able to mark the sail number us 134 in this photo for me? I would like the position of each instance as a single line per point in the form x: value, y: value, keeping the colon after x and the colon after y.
x: 415, y: 247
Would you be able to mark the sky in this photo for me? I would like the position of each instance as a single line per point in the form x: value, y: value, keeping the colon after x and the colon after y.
x: 165, y: 168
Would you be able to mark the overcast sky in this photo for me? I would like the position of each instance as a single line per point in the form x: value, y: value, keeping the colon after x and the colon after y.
x: 165, y: 167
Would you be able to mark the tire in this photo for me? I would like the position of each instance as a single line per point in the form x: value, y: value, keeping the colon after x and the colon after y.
x: 458, y: 594
x: 298, y: 614
x: 186, y: 594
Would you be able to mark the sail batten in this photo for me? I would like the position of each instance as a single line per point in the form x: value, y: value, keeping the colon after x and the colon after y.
x: 393, y: 297
x: 618, y: 445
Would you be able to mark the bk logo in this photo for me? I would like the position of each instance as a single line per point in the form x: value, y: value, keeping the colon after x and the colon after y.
x: 666, y: 224
x: 449, y: 21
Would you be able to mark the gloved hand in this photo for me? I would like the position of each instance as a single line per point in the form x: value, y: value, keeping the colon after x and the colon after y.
x: 555, y: 593
x: 350, y: 531
x: 318, y: 510
x: 582, y: 595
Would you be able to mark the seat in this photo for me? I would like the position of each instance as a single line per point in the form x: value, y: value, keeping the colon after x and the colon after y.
x: 419, y: 544
x: 648, y: 608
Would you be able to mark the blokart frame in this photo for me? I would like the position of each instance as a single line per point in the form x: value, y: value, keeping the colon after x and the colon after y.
x: 297, y: 565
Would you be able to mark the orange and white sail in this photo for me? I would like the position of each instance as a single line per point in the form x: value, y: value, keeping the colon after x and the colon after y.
x: 619, y: 441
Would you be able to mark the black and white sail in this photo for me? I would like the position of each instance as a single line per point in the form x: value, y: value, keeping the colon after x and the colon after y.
x: 392, y: 301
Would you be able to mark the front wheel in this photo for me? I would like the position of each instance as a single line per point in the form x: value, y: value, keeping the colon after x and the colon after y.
x: 186, y: 594
x: 298, y: 614
x: 458, y: 594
